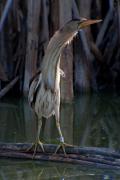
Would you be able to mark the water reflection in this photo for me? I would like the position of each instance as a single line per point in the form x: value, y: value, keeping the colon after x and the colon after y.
x: 97, y: 122
x: 88, y: 121
x: 28, y: 170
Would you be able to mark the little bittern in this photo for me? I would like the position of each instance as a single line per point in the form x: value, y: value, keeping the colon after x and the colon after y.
x: 44, y: 92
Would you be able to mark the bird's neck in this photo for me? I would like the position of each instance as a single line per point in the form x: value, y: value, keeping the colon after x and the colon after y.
x: 50, y: 65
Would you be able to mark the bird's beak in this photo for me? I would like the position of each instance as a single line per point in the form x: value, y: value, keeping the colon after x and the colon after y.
x: 88, y: 22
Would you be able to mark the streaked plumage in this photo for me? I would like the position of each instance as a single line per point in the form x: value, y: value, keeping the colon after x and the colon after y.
x: 44, y: 92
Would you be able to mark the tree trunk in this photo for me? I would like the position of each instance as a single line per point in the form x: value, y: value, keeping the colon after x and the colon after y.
x: 83, y: 64
x: 67, y: 55
x: 32, y: 41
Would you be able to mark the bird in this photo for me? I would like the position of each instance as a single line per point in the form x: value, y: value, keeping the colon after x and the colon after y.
x: 44, y: 88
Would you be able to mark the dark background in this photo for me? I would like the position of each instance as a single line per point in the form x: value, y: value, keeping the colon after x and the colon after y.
x: 91, y: 63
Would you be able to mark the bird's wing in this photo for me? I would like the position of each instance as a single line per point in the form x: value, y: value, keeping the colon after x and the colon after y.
x: 33, y: 86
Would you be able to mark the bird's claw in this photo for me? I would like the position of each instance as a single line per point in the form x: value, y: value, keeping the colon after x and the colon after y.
x: 35, y: 146
x: 63, y: 145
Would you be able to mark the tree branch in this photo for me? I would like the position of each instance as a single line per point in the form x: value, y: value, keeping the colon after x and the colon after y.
x: 88, y: 156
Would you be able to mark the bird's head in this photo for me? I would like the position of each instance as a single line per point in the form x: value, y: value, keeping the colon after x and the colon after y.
x: 83, y: 23
x: 77, y: 24
x: 70, y: 29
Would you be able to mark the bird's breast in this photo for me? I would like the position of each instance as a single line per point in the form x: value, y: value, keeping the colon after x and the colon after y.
x: 46, y: 101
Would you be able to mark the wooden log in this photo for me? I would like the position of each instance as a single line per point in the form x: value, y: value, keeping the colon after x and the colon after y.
x: 8, y: 87
x: 88, y: 156
x: 59, y: 159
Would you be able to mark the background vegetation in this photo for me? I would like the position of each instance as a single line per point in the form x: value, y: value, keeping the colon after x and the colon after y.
x: 91, y: 63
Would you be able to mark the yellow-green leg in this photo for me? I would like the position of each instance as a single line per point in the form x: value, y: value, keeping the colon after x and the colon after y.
x: 37, y: 142
x: 62, y: 143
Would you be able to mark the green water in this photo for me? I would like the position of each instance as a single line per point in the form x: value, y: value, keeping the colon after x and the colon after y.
x: 88, y: 121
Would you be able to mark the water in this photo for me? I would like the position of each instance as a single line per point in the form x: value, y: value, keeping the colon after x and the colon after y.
x: 88, y: 121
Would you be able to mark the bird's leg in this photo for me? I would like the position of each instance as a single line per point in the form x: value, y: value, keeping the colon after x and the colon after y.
x: 37, y: 142
x: 62, y: 143
x: 57, y: 114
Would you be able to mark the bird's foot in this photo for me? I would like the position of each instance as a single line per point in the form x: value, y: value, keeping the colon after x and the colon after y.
x: 62, y: 145
x: 35, y: 145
